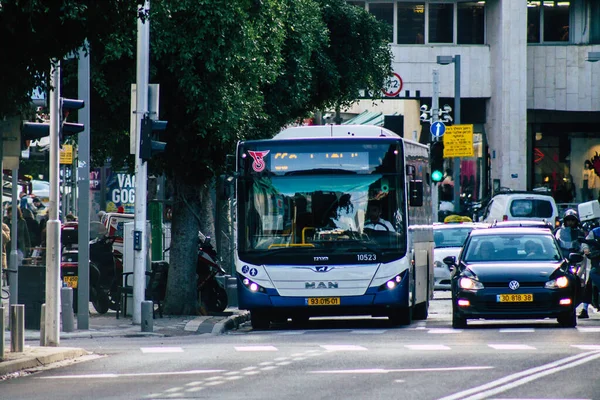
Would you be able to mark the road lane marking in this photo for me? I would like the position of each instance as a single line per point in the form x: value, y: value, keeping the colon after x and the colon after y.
x: 369, y: 332
x: 103, y: 376
x: 255, y: 348
x: 586, y: 346
x: 444, y: 330
x: 511, y: 347
x: 517, y: 330
x: 342, y: 347
x: 511, y: 381
x: 147, y: 350
x: 387, y: 371
x: 588, y: 329
x: 427, y: 347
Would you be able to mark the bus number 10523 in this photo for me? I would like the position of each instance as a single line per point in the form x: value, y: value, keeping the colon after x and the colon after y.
x: 366, y: 257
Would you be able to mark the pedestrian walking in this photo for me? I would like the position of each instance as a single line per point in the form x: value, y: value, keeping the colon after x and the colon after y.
x: 5, y: 240
x: 23, y: 241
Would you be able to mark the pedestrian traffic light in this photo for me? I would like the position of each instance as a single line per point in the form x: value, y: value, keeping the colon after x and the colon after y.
x: 436, y: 157
x: 148, y: 146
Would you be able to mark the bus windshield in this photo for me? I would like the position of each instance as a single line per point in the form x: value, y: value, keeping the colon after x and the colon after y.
x: 330, y: 209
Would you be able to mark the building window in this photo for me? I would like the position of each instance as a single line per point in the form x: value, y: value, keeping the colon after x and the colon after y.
x: 441, y: 23
x: 411, y: 23
x: 384, y: 12
x: 595, y: 22
x: 548, y: 21
x: 470, y: 23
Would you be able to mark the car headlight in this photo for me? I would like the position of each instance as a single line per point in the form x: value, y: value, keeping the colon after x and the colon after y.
x: 469, y: 283
x: 438, y: 264
x: 558, y: 283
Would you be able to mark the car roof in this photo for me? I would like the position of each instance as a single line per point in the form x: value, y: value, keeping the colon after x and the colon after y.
x: 517, y: 223
x: 452, y: 225
x: 510, y: 230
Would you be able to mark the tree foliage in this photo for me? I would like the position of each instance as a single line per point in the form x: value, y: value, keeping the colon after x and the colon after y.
x: 229, y: 70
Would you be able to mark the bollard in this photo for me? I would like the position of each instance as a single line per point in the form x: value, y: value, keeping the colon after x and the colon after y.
x: 43, y: 326
x: 147, y: 317
x: 17, y: 328
x: 2, y: 317
x: 67, y: 316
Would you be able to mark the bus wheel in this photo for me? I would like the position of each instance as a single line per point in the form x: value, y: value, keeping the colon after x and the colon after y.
x: 401, y: 316
x: 259, y: 320
x: 421, y: 310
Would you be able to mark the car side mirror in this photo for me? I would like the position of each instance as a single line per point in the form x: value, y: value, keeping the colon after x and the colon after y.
x: 450, y: 261
x: 575, y: 258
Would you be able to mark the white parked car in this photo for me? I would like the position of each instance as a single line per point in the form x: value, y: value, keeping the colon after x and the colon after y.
x: 449, y: 239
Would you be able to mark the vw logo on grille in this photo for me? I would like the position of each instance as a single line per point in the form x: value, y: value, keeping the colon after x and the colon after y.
x: 513, y: 285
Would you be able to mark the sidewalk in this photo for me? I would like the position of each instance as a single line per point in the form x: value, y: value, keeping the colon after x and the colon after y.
x: 108, y: 325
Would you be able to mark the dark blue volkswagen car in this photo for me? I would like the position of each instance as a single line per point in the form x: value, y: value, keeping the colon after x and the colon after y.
x: 508, y: 273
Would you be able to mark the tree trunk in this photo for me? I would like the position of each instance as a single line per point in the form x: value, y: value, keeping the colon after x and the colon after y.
x: 192, y: 211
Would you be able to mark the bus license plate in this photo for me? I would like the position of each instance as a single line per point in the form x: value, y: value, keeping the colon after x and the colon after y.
x: 323, y: 301
x: 514, y: 298
x: 71, y: 281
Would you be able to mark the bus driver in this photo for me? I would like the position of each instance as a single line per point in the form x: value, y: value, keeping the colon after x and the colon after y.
x: 375, y: 222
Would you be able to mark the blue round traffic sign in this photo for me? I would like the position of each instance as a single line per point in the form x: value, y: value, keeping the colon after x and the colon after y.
x: 437, y: 129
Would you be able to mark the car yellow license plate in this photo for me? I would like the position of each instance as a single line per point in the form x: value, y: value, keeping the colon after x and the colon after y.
x: 323, y: 301
x: 71, y: 281
x: 514, y: 298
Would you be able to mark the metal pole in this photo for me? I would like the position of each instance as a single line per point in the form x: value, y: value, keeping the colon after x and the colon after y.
x: 83, y: 191
x: 2, y: 331
x: 456, y: 172
x: 52, y: 328
x: 17, y: 328
x: 63, y: 181
x: 141, y: 172
x: 435, y: 100
x: 14, y: 254
x: 66, y: 304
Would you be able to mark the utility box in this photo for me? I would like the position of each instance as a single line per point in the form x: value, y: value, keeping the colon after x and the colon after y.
x: 32, y: 293
x: 589, y: 210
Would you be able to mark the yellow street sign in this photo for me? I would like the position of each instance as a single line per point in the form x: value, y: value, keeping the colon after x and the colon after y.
x: 458, y: 141
x: 66, y: 154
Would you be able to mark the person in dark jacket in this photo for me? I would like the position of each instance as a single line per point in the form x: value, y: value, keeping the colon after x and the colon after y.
x: 33, y: 227
x: 23, y: 240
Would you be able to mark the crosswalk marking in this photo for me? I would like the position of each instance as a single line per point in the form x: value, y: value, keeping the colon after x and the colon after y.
x: 511, y: 347
x: 161, y: 349
x: 255, y: 348
x: 443, y: 330
x: 588, y: 329
x: 342, y: 347
x: 517, y: 330
x: 427, y: 347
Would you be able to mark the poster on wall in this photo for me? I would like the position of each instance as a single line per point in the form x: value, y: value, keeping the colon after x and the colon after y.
x: 118, y: 193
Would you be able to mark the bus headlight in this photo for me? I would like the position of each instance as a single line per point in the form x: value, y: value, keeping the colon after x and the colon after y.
x: 253, y: 286
x: 392, y: 283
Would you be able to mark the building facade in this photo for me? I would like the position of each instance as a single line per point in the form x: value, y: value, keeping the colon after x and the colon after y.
x: 526, y: 85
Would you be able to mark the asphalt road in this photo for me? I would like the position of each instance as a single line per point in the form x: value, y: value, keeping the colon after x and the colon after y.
x: 359, y: 358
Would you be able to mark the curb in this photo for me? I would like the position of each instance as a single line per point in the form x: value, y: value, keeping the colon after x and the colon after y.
x: 230, y: 323
x: 33, y: 357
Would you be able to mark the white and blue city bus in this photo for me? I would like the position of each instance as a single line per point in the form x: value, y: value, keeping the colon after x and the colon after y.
x: 304, y: 242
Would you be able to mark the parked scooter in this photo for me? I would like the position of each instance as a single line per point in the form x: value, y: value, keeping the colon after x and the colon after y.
x: 212, y: 294
x: 103, y: 275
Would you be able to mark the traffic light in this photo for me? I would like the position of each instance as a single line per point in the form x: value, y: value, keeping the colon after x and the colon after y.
x: 436, y: 157
x: 37, y: 130
x: 148, y: 146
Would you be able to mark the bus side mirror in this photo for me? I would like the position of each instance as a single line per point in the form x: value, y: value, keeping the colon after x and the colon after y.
x: 416, y: 193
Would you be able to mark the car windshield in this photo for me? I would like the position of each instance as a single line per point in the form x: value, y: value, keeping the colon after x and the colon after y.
x: 451, y: 237
x: 512, y: 247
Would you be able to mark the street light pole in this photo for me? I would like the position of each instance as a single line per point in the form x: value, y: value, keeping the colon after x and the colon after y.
x: 456, y: 169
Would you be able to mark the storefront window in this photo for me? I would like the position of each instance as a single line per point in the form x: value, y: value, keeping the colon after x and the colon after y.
x: 441, y: 23
x: 470, y: 23
x: 411, y: 23
x: 385, y: 13
x: 533, y: 22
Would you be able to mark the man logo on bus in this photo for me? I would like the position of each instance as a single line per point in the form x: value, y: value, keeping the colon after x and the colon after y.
x: 259, y: 163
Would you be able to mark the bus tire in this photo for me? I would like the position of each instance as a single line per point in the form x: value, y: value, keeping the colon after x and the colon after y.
x: 401, y: 316
x: 421, y: 311
x: 259, y: 320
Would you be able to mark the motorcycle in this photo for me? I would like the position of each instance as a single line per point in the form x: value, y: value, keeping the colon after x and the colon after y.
x: 212, y: 294
x: 103, y: 274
